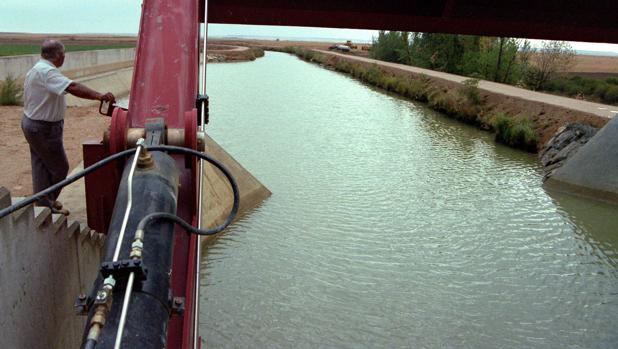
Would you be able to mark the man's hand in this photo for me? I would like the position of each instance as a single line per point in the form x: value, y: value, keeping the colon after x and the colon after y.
x: 108, y: 97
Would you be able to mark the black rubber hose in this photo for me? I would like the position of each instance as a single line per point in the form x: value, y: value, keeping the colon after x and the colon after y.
x: 162, y: 215
x: 152, y: 216
x: 90, y: 344
x: 6, y: 211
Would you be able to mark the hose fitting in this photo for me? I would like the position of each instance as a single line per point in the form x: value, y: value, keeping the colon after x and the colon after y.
x: 103, y: 303
x: 137, y: 247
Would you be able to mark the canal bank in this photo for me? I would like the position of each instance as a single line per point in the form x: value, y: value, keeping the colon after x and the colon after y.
x: 489, y: 105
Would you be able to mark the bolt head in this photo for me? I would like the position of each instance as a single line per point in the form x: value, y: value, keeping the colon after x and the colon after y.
x: 101, y: 295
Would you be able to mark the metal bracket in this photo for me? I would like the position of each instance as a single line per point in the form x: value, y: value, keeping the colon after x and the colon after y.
x: 81, y: 304
x: 199, y: 101
x: 155, y: 132
x: 121, y: 269
x: 178, y: 305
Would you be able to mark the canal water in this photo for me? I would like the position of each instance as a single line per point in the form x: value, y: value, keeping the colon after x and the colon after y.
x: 391, y: 226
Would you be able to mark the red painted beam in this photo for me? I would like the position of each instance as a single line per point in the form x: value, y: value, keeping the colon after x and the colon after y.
x: 166, y: 62
x: 575, y: 20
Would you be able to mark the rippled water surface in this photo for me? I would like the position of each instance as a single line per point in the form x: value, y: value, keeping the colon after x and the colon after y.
x: 391, y: 226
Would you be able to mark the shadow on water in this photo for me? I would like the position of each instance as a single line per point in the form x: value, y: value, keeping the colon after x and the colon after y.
x: 596, y: 221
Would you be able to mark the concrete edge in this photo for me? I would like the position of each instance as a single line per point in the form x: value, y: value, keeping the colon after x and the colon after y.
x: 217, y: 194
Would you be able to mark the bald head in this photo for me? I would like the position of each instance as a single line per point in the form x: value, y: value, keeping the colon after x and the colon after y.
x: 52, y: 49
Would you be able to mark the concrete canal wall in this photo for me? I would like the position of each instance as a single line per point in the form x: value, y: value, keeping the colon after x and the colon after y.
x: 76, y: 64
x: 46, y: 261
x: 117, y: 82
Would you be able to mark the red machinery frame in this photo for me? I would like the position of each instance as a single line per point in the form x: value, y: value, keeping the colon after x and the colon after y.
x: 164, y: 85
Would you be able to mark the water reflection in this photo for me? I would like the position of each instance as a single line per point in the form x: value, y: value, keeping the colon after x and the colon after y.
x: 597, y: 222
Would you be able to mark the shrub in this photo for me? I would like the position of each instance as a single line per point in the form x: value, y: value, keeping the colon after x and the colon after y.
x: 612, y: 81
x: 343, y: 66
x: 523, y: 135
x: 10, y: 92
x: 358, y: 71
x: 257, y: 52
x: 466, y: 112
x: 388, y: 82
x: 518, y: 133
x: 611, y: 94
x: 402, y: 87
x: 436, y: 99
x: 470, y: 91
x: 417, y: 89
x: 502, y: 124
x: 572, y: 86
x: 372, y: 75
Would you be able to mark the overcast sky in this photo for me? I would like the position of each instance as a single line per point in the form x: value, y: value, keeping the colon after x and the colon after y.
x: 122, y: 17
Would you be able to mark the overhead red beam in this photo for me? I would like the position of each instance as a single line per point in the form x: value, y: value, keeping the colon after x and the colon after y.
x: 574, y: 20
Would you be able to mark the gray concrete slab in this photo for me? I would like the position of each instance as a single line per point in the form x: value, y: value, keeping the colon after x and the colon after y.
x: 593, y: 170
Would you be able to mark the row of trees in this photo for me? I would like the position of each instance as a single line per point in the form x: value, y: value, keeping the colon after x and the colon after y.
x: 505, y: 60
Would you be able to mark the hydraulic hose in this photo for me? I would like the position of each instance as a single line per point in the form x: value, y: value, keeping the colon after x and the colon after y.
x: 64, y: 183
x: 190, y: 229
x: 154, y: 216
x: 90, y: 344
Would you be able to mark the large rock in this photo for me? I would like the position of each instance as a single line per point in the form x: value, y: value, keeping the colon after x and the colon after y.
x: 564, y: 144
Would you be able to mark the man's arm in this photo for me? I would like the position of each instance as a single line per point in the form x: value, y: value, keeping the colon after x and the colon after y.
x: 82, y: 91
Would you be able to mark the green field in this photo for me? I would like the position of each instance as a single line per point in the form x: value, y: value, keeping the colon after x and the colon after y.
x: 26, y: 49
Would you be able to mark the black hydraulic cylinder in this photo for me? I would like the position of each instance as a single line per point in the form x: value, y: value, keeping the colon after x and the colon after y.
x: 155, y: 189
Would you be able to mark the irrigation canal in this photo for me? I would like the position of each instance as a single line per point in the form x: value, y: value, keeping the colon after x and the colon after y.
x: 392, y: 226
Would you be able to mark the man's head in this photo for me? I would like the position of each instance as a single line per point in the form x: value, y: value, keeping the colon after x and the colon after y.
x: 53, y: 51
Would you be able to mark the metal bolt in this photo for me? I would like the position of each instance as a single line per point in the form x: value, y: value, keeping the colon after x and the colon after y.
x: 101, y: 295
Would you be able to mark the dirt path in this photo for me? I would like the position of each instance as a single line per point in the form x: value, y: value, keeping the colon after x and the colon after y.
x: 493, y: 87
x: 81, y: 123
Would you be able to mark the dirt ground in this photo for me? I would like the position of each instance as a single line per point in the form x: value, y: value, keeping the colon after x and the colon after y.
x: 594, y: 65
x: 67, y: 39
x: 81, y: 124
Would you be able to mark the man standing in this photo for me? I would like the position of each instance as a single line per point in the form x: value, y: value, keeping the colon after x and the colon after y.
x: 43, y: 120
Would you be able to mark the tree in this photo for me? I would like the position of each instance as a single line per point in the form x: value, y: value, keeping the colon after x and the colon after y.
x: 498, y: 59
x: 388, y: 46
x: 552, y: 57
x: 443, y: 52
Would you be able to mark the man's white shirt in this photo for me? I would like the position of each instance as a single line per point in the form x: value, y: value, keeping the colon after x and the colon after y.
x: 44, y: 91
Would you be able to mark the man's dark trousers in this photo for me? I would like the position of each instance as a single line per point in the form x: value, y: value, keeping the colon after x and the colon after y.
x: 49, y: 161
